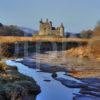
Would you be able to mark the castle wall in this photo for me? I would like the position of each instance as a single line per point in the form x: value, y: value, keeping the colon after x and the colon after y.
x: 46, y: 29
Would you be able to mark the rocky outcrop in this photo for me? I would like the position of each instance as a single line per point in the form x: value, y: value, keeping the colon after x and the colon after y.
x: 70, y: 83
x: 15, y: 86
x: 93, y: 86
x: 89, y: 88
x: 85, y: 97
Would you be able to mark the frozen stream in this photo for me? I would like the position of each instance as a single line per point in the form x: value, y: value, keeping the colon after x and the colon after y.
x: 52, y: 90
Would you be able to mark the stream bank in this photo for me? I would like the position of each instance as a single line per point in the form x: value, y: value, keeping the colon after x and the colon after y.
x: 62, y: 87
x: 16, y: 86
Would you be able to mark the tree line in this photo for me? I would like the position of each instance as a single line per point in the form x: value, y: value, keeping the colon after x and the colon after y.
x: 10, y: 30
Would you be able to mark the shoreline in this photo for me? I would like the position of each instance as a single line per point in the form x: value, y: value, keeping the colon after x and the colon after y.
x: 89, y: 87
x: 14, y: 85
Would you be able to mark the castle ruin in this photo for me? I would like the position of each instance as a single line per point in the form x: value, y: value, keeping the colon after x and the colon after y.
x: 46, y: 28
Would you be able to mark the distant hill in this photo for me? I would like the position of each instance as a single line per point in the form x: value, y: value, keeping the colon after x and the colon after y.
x: 72, y: 35
x: 28, y: 31
x: 12, y: 30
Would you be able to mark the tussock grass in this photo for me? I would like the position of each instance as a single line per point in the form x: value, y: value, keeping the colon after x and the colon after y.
x: 40, y: 38
x: 14, y: 39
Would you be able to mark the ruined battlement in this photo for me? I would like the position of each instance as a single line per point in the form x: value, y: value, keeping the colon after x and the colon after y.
x: 46, y: 28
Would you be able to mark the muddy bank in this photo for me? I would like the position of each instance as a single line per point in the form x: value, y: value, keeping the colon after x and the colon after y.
x: 16, y: 86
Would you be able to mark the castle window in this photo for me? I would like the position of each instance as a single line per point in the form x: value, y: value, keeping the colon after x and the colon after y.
x: 53, y: 28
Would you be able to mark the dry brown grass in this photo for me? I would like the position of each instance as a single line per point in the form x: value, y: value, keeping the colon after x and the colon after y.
x: 14, y: 39
x: 2, y: 66
x: 58, y: 39
x: 40, y: 38
x: 85, y: 73
x: 92, y: 50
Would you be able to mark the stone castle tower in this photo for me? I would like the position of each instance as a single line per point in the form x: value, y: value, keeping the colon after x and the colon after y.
x: 47, y: 29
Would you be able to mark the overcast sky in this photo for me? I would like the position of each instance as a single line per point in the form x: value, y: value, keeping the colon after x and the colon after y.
x: 75, y: 14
